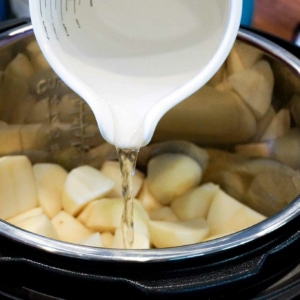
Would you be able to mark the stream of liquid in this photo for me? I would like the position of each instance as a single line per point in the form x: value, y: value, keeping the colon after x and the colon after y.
x: 127, y: 159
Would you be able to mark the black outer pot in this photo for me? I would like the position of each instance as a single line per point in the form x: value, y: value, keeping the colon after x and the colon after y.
x: 246, y: 271
x: 263, y: 268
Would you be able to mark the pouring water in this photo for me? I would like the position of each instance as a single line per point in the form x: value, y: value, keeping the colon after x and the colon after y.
x: 133, y: 60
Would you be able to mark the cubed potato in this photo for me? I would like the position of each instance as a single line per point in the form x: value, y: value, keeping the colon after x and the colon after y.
x: 140, y: 240
x: 164, y: 214
x: 83, y: 185
x: 279, y: 125
x: 226, y: 215
x: 248, y: 54
x: 17, y: 186
x: 171, y: 175
x: 107, y: 239
x: 111, y: 169
x: 195, y: 203
x: 106, y: 214
x: 233, y: 62
x: 94, y: 240
x: 255, y: 86
x: 147, y: 199
x: 50, y: 180
x: 173, y: 234
x: 215, y: 114
x: 39, y: 224
x: 21, y: 67
x: 69, y: 229
x: 33, y: 212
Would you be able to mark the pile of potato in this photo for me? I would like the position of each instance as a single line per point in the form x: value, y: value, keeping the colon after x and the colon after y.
x: 171, y: 206
x: 59, y: 179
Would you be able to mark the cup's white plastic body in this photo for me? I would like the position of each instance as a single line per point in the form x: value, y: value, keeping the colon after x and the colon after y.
x: 133, y: 60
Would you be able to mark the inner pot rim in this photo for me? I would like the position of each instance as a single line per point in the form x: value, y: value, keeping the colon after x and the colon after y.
x: 262, y: 229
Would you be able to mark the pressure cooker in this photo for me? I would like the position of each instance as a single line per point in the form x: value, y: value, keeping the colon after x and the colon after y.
x: 260, y: 262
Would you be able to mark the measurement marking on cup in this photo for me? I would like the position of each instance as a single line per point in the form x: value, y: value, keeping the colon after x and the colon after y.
x: 51, y: 9
x: 55, y: 31
x: 41, y: 8
x: 66, y: 29
x: 61, y: 10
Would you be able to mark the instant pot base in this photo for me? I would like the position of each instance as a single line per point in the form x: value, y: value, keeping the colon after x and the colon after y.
x: 246, y: 272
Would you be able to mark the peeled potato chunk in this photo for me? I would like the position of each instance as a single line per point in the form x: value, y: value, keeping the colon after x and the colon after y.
x: 226, y: 214
x: 50, y: 181
x: 39, y: 224
x: 255, y: 86
x: 173, y: 234
x: 111, y: 169
x: 84, y: 184
x: 20, y: 67
x: 215, y: 114
x: 69, y: 229
x: 105, y: 215
x: 147, y: 199
x: 94, y: 240
x: 171, y: 175
x: 140, y: 240
x: 195, y: 203
x: 17, y: 186
x: 107, y: 239
x: 164, y: 214
x: 33, y: 212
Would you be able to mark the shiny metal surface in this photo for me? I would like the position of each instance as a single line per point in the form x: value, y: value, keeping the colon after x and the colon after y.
x: 283, y: 63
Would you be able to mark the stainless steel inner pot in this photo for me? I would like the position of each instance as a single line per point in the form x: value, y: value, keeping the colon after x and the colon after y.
x: 79, y: 144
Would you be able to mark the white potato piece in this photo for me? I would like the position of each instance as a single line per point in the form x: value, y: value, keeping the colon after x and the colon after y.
x: 248, y: 54
x: 164, y: 214
x: 233, y: 62
x: 147, y: 199
x: 20, y: 66
x: 32, y: 49
x: 171, y: 175
x: 39, y: 63
x: 33, y: 212
x: 50, y: 180
x: 255, y: 86
x: 140, y: 240
x: 39, y: 224
x: 173, y: 234
x: 83, y: 185
x: 111, y: 169
x: 215, y: 114
x: 69, y: 229
x: 195, y: 203
x: 107, y: 239
x: 105, y: 215
x: 263, y: 123
x: 219, y: 76
x: 94, y: 240
x: 226, y: 215
x: 279, y: 125
x: 17, y: 186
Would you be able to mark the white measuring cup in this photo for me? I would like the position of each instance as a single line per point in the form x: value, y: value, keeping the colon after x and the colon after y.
x: 133, y: 60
